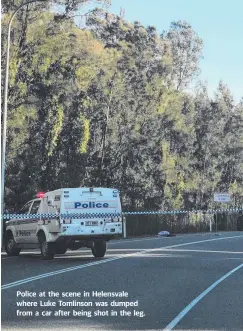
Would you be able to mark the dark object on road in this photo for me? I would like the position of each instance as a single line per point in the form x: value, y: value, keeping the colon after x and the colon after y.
x: 165, y: 234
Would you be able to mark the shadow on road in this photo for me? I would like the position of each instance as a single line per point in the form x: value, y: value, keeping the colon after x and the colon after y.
x: 57, y: 259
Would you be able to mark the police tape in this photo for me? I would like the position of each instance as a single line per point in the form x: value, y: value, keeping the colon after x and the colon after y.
x: 114, y: 215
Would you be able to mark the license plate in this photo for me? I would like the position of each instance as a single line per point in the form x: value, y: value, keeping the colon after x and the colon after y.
x: 90, y: 223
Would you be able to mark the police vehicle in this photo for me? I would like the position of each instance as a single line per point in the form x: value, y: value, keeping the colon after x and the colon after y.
x: 55, y: 234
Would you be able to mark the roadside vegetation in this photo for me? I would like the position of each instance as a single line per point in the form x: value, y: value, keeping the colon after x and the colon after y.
x: 107, y: 104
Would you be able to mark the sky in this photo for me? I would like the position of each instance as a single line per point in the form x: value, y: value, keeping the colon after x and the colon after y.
x: 218, y: 22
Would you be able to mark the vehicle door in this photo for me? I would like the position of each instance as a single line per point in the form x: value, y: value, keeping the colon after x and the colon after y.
x: 21, y: 224
x: 32, y: 225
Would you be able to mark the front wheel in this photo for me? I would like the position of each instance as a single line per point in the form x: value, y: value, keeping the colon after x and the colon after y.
x: 47, y: 251
x: 99, y: 248
x: 10, y: 246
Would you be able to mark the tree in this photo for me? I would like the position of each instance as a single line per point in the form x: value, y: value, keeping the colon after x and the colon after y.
x: 186, y: 49
x: 47, y: 102
x: 69, y: 6
x: 106, y: 105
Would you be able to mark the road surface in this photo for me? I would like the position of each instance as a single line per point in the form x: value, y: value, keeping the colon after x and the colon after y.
x: 187, y: 282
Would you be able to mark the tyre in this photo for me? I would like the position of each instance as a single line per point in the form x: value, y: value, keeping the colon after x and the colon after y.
x: 10, y: 245
x: 47, y: 249
x: 99, y: 248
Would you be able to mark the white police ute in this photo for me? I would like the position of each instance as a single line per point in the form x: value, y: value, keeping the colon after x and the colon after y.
x: 60, y: 226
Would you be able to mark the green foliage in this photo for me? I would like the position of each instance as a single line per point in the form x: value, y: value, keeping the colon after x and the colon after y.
x: 86, y: 135
x: 107, y: 106
x: 186, y: 48
x: 58, y: 117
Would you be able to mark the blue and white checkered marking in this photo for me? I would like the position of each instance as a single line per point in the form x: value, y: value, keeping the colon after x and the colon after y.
x: 112, y: 215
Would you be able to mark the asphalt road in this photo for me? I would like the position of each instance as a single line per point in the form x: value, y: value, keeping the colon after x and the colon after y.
x: 187, y: 282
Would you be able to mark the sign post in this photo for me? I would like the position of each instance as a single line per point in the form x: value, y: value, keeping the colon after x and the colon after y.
x: 124, y: 228
x: 220, y: 198
x: 216, y: 223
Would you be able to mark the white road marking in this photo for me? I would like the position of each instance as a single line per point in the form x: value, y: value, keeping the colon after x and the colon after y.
x: 81, y: 251
x: 37, y: 252
x: 203, y: 251
x: 183, y: 313
x: 156, y: 237
x: 122, y: 241
x: 57, y: 272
